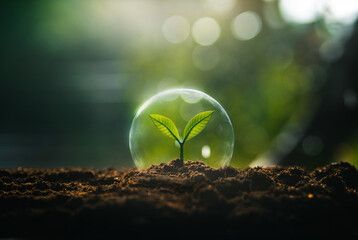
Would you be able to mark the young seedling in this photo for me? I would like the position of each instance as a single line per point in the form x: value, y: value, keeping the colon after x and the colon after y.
x: 193, y: 127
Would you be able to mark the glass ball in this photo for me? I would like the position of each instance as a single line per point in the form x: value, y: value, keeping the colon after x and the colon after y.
x: 181, y: 123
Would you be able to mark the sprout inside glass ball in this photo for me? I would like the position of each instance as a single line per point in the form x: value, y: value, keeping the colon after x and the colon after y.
x: 181, y: 123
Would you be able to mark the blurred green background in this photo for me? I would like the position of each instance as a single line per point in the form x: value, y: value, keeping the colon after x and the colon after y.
x: 73, y: 74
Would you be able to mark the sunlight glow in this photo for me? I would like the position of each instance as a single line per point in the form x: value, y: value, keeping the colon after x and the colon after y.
x: 307, y: 11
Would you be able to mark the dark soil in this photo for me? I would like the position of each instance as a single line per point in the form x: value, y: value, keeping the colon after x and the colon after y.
x: 177, y: 200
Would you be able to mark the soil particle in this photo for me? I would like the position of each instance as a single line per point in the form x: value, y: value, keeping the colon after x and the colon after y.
x: 180, y: 199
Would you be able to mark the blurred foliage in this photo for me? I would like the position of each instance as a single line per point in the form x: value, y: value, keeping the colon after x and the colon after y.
x: 74, y: 73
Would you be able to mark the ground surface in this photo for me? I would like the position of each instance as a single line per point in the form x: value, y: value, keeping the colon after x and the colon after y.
x: 178, y: 200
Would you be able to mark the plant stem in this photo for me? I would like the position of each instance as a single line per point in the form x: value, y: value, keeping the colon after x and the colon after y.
x: 181, y: 151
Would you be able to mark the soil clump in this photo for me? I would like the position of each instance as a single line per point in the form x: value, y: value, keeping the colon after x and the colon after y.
x: 177, y: 200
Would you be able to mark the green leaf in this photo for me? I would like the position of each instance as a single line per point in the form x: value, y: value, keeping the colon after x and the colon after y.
x: 165, y: 125
x: 196, y: 125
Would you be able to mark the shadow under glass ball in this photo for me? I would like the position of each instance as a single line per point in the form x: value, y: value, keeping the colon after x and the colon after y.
x: 181, y: 123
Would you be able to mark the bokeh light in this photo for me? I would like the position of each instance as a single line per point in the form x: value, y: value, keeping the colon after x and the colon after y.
x: 176, y: 29
x: 344, y: 11
x: 350, y: 98
x: 167, y: 83
x: 74, y: 74
x: 312, y: 145
x: 206, y: 31
x: 331, y: 50
x: 246, y: 25
x: 272, y: 16
x: 206, y: 57
x: 221, y: 6
x: 305, y: 12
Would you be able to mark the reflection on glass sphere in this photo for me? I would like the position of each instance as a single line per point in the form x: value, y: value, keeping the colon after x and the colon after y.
x: 196, y: 121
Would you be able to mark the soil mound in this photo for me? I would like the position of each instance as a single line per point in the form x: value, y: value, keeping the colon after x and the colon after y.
x: 178, y: 200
